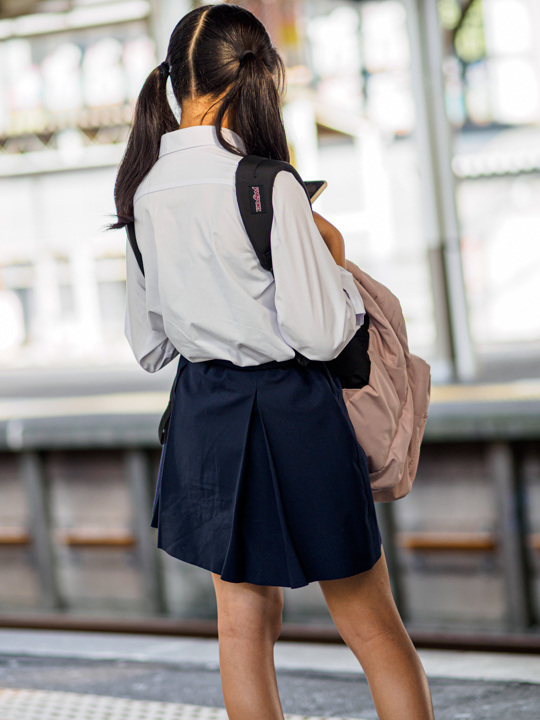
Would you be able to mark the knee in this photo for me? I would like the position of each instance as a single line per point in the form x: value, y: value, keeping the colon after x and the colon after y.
x: 258, y: 620
x: 369, y: 632
x: 378, y: 631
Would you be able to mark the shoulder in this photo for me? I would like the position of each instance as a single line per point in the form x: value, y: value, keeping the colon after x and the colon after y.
x: 145, y: 187
x: 287, y: 187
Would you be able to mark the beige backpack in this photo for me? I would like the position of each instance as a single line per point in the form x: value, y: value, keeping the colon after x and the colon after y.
x: 389, y: 413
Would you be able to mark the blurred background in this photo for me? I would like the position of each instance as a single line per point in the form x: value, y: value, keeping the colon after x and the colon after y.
x: 424, y: 118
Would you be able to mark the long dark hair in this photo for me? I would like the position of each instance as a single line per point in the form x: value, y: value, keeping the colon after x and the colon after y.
x: 204, y: 58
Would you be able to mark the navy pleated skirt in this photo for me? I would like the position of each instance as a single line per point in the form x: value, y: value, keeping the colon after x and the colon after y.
x: 262, y: 479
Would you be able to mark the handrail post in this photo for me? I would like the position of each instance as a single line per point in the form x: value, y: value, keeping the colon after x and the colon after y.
x: 512, y: 534
x: 138, y: 476
x: 36, y: 487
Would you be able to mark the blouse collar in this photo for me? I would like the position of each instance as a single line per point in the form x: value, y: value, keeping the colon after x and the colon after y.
x: 195, y: 136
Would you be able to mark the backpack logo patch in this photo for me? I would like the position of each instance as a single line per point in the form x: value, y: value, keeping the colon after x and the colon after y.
x: 256, y: 199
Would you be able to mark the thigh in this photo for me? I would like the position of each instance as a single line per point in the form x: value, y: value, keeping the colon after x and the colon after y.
x: 248, y: 609
x: 362, y: 606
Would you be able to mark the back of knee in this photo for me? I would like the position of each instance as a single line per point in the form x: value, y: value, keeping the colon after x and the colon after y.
x: 256, y: 624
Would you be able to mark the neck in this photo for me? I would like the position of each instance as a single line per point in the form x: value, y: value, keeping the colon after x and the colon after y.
x: 193, y: 111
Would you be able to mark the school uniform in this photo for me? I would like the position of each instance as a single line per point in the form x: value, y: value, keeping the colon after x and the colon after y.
x: 261, y: 478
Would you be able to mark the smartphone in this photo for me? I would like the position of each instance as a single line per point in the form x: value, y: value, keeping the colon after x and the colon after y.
x: 315, y: 188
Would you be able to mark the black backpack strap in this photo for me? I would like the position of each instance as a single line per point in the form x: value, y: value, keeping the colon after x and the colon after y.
x: 254, y: 182
x: 353, y: 364
x: 130, y: 227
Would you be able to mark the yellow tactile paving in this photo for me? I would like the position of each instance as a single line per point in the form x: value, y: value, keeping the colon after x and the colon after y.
x: 520, y: 390
x: 154, y: 402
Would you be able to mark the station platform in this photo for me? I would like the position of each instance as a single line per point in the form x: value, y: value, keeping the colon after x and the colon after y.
x: 71, y: 675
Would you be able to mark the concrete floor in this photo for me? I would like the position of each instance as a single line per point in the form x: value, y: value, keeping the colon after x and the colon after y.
x: 314, y: 680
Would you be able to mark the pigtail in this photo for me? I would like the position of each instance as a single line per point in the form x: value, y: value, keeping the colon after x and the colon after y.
x: 256, y: 107
x: 153, y: 117
x: 255, y: 103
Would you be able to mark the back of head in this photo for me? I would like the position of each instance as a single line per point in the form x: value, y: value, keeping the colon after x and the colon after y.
x: 221, y: 52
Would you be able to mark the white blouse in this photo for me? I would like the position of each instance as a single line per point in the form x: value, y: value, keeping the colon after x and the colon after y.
x: 204, y: 293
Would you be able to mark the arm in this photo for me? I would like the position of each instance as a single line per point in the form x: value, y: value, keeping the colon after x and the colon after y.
x: 332, y: 237
x: 143, y: 327
x: 319, y: 308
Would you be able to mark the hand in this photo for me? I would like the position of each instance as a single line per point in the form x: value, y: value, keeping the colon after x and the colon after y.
x: 332, y: 237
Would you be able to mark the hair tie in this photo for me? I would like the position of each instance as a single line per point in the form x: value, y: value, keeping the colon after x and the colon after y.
x: 164, y: 69
x: 244, y: 53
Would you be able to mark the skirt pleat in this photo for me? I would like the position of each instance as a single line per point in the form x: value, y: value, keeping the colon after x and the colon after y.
x: 262, y: 479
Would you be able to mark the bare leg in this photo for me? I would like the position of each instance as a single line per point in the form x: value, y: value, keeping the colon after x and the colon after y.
x: 364, y: 612
x: 249, y: 623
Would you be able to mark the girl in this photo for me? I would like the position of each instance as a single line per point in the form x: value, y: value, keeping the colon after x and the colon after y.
x: 261, y: 480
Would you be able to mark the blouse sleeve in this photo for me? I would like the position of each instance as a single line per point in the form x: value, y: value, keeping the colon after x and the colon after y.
x: 319, y: 308
x: 143, y: 326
